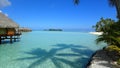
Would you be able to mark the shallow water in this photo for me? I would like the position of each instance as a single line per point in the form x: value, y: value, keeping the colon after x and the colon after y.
x: 44, y: 49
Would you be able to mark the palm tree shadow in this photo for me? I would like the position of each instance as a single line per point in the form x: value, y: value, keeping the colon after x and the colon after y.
x: 42, y: 55
x: 84, y: 54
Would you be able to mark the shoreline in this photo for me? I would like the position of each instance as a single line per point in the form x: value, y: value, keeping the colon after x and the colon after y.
x: 96, y: 33
x: 90, y: 60
x: 100, y: 59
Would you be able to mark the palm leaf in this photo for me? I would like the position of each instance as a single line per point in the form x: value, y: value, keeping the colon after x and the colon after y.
x: 112, y: 2
x: 76, y: 2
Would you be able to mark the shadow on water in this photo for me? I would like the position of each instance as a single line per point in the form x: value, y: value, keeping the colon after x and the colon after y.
x: 8, y: 41
x: 83, y: 54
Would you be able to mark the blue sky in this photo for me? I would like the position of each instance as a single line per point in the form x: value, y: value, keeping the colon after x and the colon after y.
x: 43, y: 14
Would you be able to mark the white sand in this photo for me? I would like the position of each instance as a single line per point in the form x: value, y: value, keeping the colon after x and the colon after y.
x: 96, y: 33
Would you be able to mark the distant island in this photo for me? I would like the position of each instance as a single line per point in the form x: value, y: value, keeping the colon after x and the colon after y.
x: 24, y: 29
x: 53, y: 30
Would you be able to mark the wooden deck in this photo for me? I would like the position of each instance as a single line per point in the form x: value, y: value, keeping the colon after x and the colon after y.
x: 12, y: 38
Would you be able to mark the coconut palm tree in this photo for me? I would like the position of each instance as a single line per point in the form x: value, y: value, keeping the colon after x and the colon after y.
x: 111, y: 32
x: 113, y: 3
x: 116, y: 33
x: 103, y: 25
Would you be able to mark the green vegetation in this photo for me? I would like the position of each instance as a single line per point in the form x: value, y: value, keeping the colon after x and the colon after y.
x: 118, y: 62
x: 110, y: 28
x: 113, y: 48
x: 113, y: 52
x: 103, y: 25
x: 111, y: 36
x: 55, y: 29
x: 111, y: 32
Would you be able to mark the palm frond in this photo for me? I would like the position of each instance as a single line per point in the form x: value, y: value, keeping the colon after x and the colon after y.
x: 76, y: 2
x: 100, y: 39
x: 112, y: 2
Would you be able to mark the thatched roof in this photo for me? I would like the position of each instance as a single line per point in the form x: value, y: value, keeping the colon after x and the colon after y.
x: 6, y: 22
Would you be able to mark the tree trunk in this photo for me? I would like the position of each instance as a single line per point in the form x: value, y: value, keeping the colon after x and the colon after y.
x: 118, y: 8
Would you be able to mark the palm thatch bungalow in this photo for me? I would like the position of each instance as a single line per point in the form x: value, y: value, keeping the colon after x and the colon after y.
x: 8, y: 28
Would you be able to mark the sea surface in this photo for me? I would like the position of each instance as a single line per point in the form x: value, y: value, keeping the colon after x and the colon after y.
x: 45, y: 49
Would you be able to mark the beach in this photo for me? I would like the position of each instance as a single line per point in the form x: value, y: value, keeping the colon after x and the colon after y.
x: 96, y: 33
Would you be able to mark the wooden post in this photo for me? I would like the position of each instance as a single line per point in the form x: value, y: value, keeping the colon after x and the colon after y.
x: 10, y: 39
x: 14, y: 39
x: 0, y: 40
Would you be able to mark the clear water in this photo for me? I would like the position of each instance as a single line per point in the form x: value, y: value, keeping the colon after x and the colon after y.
x: 42, y: 49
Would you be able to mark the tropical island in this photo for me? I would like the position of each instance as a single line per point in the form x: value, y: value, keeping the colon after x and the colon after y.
x: 53, y: 29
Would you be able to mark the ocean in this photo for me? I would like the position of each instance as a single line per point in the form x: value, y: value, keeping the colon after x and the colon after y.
x: 49, y: 49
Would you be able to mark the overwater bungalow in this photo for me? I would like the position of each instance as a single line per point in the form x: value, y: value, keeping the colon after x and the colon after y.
x: 24, y: 29
x: 8, y: 29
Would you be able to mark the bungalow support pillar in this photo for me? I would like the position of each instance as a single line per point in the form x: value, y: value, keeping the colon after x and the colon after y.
x: 14, y: 39
x: 10, y: 39
x: 0, y: 40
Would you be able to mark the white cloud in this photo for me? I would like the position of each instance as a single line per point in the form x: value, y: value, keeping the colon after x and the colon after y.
x: 4, y: 3
x: 0, y: 11
x: 4, y: 13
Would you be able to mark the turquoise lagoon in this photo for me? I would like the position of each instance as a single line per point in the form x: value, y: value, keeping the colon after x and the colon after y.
x: 44, y: 49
